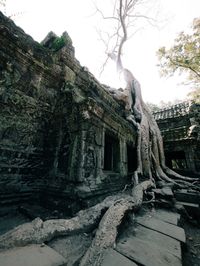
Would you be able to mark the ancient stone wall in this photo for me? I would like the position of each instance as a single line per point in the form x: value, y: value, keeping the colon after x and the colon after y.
x: 55, y: 121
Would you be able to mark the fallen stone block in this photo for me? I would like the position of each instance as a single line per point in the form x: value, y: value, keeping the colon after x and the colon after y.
x: 31, y: 255
x: 192, y: 209
x: 165, y: 228
x: 146, y: 253
x: 114, y: 258
x: 168, y: 243
x: 164, y: 192
x: 185, y: 196
x: 166, y: 216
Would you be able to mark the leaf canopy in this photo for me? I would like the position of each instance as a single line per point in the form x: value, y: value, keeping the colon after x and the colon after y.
x: 184, y: 57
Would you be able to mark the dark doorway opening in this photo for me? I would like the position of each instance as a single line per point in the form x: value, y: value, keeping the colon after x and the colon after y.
x: 176, y: 160
x: 131, y: 158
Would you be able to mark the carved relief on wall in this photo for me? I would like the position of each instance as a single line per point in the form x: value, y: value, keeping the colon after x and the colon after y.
x: 90, y: 162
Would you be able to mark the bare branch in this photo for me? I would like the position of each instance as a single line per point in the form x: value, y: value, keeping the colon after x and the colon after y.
x: 124, y: 38
x: 136, y: 31
x: 124, y: 16
x: 114, y: 9
x: 104, y: 65
x: 132, y: 4
x: 102, y: 14
x: 150, y: 20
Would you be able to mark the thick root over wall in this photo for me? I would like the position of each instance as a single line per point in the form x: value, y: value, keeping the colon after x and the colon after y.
x: 109, y: 213
x: 38, y: 231
x: 151, y: 159
x: 150, y: 151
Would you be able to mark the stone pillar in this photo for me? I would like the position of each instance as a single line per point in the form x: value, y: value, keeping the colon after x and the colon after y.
x: 190, y: 155
x: 123, y: 158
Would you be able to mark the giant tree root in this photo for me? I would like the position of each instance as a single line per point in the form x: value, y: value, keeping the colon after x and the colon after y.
x: 38, y: 231
x: 107, y: 231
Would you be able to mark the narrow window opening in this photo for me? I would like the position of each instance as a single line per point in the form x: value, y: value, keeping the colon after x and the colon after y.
x: 64, y: 153
x: 111, y: 153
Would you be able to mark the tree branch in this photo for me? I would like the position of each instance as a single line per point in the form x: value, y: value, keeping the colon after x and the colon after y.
x: 180, y: 64
x: 102, y: 14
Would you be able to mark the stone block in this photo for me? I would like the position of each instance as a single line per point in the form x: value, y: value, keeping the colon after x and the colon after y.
x: 31, y: 255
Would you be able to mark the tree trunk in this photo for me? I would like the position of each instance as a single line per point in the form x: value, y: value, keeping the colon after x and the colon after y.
x: 150, y: 152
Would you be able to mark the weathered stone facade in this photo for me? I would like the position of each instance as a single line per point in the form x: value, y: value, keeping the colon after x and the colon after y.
x: 59, y: 127
x: 180, y: 128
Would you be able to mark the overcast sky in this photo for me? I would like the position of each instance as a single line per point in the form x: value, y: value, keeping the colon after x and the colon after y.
x: 75, y: 16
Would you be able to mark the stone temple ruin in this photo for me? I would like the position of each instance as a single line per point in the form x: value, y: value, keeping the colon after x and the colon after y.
x: 63, y: 136
x: 180, y: 127
x: 65, y: 145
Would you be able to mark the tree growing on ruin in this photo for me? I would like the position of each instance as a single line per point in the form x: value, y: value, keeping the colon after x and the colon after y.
x: 108, y: 214
x: 150, y: 153
x: 183, y: 58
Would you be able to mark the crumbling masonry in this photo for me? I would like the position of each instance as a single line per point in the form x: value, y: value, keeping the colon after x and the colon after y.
x: 64, y: 140
x: 180, y: 128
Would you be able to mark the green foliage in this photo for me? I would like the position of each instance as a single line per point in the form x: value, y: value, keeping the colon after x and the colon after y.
x: 58, y: 43
x: 183, y: 56
x: 195, y: 95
